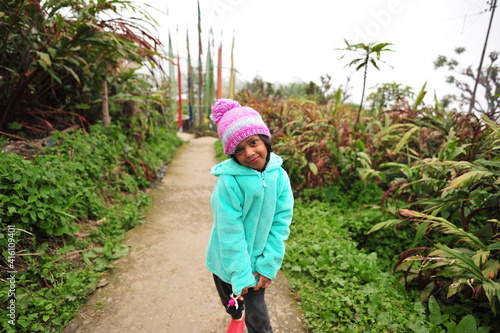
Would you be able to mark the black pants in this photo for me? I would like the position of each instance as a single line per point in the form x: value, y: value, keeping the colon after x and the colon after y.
x: 256, y: 314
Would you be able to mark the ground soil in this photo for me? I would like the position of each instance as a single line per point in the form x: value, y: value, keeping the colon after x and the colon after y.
x: 163, y: 285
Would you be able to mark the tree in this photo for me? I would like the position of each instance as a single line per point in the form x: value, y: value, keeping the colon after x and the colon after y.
x: 389, y: 96
x: 489, y: 79
x: 262, y: 89
x: 366, y: 53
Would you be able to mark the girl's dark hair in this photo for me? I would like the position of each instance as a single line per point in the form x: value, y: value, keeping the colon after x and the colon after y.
x: 267, y: 142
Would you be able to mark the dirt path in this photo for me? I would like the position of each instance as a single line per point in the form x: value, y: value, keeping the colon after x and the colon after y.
x: 163, y: 285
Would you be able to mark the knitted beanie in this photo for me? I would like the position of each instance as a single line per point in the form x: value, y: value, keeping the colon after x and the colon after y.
x: 235, y: 123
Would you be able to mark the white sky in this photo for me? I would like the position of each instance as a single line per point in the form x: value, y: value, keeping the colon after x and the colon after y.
x: 284, y: 41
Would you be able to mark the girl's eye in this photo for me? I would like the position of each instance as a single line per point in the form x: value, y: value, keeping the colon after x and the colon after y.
x: 253, y: 142
x: 238, y: 150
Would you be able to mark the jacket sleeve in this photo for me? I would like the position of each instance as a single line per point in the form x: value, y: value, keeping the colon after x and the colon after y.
x: 269, y: 263
x: 234, y: 255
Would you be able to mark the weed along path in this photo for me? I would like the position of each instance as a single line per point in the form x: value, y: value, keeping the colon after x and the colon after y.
x: 162, y: 285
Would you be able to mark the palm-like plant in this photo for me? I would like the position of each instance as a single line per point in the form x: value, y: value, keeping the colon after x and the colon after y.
x: 367, y: 54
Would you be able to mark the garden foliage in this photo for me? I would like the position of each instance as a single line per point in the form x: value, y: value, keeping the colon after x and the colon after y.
x: 56, y: 57
x: 70, y: 206
x: 342, y: 288
x: 69, y: 186
x: 437, y: 221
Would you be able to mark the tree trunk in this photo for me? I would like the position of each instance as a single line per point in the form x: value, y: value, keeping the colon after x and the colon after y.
x: 363, y: 92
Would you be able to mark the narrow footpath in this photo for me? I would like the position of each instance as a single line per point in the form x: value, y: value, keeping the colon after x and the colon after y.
x: 162, y: 286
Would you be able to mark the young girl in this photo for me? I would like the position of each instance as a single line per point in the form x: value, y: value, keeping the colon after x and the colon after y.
x: 252, y: 204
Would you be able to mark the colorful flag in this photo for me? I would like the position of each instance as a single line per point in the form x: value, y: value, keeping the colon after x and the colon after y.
x: 171, y: 91
x: 200, y: 71
x: 209, y: 89
x: 171, y: 67
x: 190, y: 81
x: 219, y: 71
x: 233, y: 73
x: 179, y: 88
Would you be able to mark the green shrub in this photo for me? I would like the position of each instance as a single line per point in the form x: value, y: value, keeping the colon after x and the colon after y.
x: 70, y: 206
x: 357, y: 211
x: 219, y: 151
x: 342, y: 288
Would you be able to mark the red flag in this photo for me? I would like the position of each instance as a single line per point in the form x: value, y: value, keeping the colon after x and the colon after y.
x: 179, y: 119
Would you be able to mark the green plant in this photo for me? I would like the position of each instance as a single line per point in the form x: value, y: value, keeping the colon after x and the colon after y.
x: 451, y: 322
x: 55, y: 57
x: 219, y: 151
x: 304, y: 133
x: 389, y: 96
x: 70, y: 207
x: 366, y: 52
x: 458, y: 182
x: 340, y: 287
x: 477, y: 267
x: 35, y: 198
x: 48, y: 309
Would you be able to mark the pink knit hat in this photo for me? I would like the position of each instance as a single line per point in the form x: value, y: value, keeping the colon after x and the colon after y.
x: 235, y: 123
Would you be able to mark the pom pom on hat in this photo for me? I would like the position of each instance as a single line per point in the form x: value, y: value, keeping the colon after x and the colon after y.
x: 221, y: 107
x: 235, y: 123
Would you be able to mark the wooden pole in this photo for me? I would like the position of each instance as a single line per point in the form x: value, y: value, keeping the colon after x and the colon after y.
x: 473, y: 98
x: 105, y: 104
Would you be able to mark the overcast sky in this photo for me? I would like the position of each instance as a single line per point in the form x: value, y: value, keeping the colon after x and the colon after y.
x: 284, y: 41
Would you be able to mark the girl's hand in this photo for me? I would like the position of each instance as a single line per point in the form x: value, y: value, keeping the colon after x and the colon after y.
x: 263, y: 282
x: 243, y: 292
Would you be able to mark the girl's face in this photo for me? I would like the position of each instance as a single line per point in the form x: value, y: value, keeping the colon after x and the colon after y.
x: 252, y: 153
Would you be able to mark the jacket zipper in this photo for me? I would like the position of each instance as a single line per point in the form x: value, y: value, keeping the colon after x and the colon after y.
x: 263, y: 180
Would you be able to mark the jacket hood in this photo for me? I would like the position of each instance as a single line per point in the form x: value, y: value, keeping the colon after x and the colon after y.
x: 231, y: 167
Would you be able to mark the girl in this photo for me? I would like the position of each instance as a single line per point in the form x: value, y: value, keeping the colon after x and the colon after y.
x: 252, y: 204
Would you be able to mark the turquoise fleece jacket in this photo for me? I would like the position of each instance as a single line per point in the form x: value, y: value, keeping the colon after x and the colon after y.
x: 252, y: 213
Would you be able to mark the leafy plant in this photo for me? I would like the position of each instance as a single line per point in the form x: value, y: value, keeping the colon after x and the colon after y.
x: 449, y: 321
x: 341, y: 288
x: 366, y: 53
x: 477, y: 269
x: 70, y: 206
x: 389, y: 96
x: 55, y: 57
